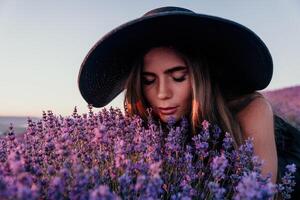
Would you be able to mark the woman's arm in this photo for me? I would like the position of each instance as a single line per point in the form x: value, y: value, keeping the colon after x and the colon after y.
x: 256, y: 121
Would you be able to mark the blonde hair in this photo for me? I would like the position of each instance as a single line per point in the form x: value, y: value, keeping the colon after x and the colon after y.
x: 208, y: 103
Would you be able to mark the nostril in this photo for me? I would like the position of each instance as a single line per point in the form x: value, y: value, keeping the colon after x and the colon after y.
x: 163, y: 90
x: 164, y: 94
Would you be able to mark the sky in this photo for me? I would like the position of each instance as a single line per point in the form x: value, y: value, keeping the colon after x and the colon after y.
x: 43, y: 43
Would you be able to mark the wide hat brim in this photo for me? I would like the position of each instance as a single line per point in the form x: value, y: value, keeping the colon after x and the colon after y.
x: 241, y: 61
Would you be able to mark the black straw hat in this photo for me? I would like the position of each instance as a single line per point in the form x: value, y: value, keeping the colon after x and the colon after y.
x: 240, y: 60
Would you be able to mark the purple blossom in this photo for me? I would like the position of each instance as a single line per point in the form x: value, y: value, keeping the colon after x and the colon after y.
x: 216, y: 132
x: 201, y: 145
x: 217, y: 191
x: 251, y: 188
x: 102, y: 192
x: 108, y: 155
x: 291, y: 168
x: 287, y: 185
x: 154, y: 188
x: 126, y: 186
x: 171, y: 121
x: 155, y: 169
x: 56, y: 189
x: 205, y: 125
x: 140, y: 183
x: 174, y: 144
x: 218, y: 166
x: 180, y: 196
x: 257, y: 164
x: 227, y: 142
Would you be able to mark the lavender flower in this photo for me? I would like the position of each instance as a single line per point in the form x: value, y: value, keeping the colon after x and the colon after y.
x: 102, y: 192
x: 218, y: 167
x: 227, y: 142
x: 205, y: 125
x: 108, y: 155
x: 287, y: 184
x: 291, y: 168
x: 217, y: 191
x: 250, y: 187
x: 56, y: 189
x: 201, y: 146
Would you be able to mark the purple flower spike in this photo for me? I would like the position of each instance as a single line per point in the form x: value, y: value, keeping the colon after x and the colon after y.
x: 216, y: 132
x: 287, y: 182
x: 227, y: 142
x: 56, y: 189
x: 291, y: 168
x: 103, y: 192
x: 217, y: 191
x: 250, y: 187
x: 171, y: 121
x: 108, y: 155
x: 205, y: 125
x: 218, y: 166
x: 201, y: 146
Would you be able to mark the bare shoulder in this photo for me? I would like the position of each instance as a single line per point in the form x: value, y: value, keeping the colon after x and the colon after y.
x: 256, y: 116
x: 256, y: 121
x: 257, y: 107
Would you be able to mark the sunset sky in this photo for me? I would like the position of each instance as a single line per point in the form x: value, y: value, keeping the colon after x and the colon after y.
x: 42, y: 44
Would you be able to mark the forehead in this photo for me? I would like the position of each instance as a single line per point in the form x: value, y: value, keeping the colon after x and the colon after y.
x: 161, y: 58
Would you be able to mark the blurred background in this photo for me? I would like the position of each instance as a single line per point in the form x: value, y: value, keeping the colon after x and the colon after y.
x: 42, y: 45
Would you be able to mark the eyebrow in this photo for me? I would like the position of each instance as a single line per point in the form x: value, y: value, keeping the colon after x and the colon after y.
x: 168, y: 71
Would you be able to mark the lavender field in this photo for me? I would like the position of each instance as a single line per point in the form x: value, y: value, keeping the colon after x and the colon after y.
x: 107, y: 155
x: 286, y: 104
x: 19, y: 123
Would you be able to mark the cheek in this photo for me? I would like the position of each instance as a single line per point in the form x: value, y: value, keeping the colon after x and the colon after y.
x: 185, y: 93
x: 186, y: 102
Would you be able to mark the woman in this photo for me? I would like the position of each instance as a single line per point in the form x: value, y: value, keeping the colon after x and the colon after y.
x: 174, y: 85
x: 180, y: 63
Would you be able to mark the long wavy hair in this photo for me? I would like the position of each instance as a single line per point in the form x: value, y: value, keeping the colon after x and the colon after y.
x: 208, y: 102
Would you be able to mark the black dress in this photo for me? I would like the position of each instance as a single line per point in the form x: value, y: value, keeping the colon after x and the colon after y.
x: 287, y: 140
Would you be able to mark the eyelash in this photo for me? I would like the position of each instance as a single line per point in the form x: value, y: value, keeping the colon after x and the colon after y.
x: 146, y: 82
x: 179, y: 79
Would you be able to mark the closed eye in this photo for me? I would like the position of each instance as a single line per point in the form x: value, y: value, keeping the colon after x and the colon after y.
x: 179, y: 79
x: 147, y: 81
x: 150, y: 81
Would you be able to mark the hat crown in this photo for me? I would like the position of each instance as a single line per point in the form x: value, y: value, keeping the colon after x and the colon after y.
x: 166, y: 9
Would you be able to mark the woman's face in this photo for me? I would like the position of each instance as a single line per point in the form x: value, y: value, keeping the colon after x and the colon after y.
x: 166, y: 83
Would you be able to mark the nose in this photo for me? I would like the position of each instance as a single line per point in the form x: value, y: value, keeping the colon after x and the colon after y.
x: 164, y: 91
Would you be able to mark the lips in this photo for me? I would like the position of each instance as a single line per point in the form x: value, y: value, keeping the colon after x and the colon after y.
x: 167, y: 110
